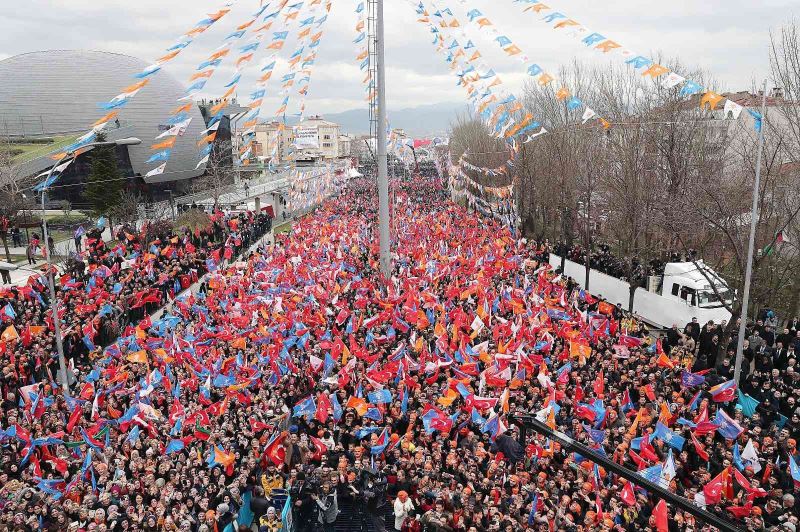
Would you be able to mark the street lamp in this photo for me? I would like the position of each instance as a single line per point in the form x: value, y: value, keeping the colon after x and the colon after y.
x: 737, y: 368
x: 383, y: 173
x: 62, y: 365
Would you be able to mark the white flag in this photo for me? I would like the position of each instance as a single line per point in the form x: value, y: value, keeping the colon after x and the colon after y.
x: 531, y: 137
x: 732, y: 108
x: 214, y: 127
x: 672, y: 80
x: 588, y: 114
x: 177, y: 129
x: 477, y: 324
x: 158, y: 170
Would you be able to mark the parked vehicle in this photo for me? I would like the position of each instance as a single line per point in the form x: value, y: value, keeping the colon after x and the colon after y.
x: 686, y: 290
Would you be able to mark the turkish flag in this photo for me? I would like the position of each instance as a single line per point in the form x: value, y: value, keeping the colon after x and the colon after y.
x: 701, y: 452
x: 661, y: 516
x: 713, y: 490
x: 647, y: 451
x: 275, y: 451
x: 640, y: 463
x: 599, y: 385
x: 627, y: 495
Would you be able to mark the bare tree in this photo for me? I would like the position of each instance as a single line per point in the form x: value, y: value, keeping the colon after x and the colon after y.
x: 220, y: 173
x: 12, y: 201
x: 785, y: 63
x: 127, y: 209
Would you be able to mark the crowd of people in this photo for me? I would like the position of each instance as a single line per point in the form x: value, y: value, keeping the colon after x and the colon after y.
x: 106, y: 286
x: 302, y: 374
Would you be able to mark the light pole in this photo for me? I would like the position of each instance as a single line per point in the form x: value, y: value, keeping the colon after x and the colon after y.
x: 171, y: 204
x: 62, y: 364
x: 383, y: 173
x: 737, y: 371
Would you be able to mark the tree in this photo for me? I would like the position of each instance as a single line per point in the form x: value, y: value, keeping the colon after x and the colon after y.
x: 12, y: 200
x: 105, y: 182
x: 220, y: 173
x: 127, y: 208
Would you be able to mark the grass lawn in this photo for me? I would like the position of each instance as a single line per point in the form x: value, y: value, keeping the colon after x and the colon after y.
x: 34, y: 151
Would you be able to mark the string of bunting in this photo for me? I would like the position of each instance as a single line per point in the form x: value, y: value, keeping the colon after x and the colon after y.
x: 180, y: 119
x: 709, y: 100
x: 363, y: 52
x: 543, y: 78
x: 116, y: 104
x: 256, y: 98
x: 287, y: 81
x: 314, y: 41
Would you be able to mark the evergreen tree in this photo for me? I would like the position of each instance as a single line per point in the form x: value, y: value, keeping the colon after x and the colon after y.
x: 104, y: 185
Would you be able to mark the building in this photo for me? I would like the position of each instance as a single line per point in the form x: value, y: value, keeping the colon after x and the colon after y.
x: 50, y: 98
x: 273, y: 137
x: 345, y: 145
x: 312, y: 140
x: 316, y: 138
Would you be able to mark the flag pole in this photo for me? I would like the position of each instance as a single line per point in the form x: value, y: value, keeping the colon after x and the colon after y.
x: 750, y: 249
x: 383, y: 173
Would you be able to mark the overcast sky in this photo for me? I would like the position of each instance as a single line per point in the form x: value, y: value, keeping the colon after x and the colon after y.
x: 729, y: 38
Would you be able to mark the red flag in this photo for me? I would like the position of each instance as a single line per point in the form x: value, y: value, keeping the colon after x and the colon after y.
x: 73, y: 419
x: 767, y: 473
x: 640, y: 463
x: 661, y: 517
x: 578, y: 393
x: 26, y: 337
x: 599, y: 385
x: 647, y: 451
x: 741, y: 511
x: 627, y: 495
x: 320, y: 449
x: 745, y: 484
x: 713, y: 490
x: 701, y: 452
x: 323, y: 408
x: 275, y: 450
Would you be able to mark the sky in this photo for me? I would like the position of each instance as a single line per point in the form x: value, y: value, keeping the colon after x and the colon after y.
x: 727, y: 38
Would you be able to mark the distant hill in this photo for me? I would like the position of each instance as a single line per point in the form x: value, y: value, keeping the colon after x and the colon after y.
x: 421, y: 121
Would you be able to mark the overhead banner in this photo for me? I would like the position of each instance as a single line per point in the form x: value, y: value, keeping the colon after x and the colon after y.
x: 306, y: 137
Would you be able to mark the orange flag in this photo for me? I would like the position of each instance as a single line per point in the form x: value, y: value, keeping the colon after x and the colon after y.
x: 139, y: 357
x: 9, y: 334
x: 166, y: 144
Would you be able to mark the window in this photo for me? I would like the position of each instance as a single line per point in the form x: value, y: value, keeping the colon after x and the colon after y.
x: 675, y: 289
x: 326, y: 145
x: 327, y: 137
x: 688, y: 294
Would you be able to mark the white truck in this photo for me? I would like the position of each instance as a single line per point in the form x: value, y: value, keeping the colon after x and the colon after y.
x: 682, y: 293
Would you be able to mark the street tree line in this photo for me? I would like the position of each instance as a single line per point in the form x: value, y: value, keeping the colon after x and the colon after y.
x: 665, y: 177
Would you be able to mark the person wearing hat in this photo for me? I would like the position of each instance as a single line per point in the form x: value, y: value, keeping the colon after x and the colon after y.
x: 402, y: 509
x: 270, y: 522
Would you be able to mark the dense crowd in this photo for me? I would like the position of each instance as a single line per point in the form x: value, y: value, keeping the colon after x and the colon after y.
x: 302, y: 374
x: 106, y: 286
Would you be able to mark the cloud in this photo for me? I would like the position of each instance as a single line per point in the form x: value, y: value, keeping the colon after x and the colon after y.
x: 729, y: 41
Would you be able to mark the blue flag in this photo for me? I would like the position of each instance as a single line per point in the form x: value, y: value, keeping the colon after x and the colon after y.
x: 673, y: 439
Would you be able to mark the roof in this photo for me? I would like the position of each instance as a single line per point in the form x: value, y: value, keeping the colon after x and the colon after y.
x: 57, y: 93
x: 690, y: 274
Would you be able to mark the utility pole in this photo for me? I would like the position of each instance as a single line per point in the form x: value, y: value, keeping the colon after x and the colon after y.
x: 383, y: 172
x: 737, y: 372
